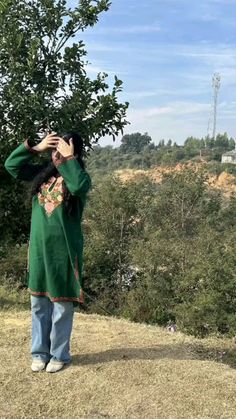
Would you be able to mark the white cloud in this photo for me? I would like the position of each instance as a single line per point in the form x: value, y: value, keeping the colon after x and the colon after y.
x: 135, y: 29
x: 178, y: 108
x: 102, y: 68
x: 141, y: 94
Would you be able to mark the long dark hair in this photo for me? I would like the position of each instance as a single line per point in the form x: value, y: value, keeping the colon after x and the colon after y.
x: 70, y: 202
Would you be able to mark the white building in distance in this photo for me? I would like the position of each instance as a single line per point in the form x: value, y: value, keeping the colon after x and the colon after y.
x: 229, y: 157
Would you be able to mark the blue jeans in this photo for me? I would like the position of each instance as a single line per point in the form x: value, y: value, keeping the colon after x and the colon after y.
x: 51, y: 329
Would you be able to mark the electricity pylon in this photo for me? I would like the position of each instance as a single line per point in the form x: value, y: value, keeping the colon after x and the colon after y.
x: 216, y: 87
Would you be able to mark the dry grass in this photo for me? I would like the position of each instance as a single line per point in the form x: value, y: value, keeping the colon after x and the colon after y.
x: 120, y: 370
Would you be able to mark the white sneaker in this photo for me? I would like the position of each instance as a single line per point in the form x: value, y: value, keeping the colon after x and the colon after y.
x: 54, y: 366
x: 38, y: 365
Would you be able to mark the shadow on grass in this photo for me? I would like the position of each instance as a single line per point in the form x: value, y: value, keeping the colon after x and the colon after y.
x: 183, y: 351
x: 8, y: 304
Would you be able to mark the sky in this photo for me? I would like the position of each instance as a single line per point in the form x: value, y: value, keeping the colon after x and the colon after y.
x: 166, y: 53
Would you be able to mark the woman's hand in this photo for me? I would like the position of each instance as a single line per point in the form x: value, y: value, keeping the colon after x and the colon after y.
x: 50, y: 141
x: 63, y: 148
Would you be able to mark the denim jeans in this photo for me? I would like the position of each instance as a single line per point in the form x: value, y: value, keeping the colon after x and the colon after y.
x: 51, y: 329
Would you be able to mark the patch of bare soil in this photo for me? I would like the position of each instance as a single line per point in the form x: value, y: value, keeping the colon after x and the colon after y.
x: 224, y: 182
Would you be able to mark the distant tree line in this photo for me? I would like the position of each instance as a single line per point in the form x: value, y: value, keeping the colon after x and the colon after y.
x: 139, y: 151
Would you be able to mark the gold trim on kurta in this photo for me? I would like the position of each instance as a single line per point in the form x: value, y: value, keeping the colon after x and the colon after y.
x: 63, y: 160
x: 80, y: 299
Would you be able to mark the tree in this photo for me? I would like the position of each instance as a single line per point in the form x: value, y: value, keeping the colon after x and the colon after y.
x: 161, y: 144
x: 43, y: 79
x: 192, y: 146
x: 112, y: 222
x: 185, y: 267
x: 43, y: 83
x: 134, y: 143
x: 222, y: 141
x: 209, y: 141
x: 231, y: 144
x: 183, y: 201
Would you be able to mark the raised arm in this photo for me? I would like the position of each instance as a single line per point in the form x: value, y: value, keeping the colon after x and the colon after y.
x: 17, y: 163
x: 77, y: 180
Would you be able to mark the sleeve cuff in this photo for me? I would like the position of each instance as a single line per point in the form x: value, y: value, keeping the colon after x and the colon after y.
x: 29, y: 148
x: 63, y: 160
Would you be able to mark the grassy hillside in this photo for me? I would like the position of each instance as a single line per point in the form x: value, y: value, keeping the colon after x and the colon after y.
x: 120, y: 370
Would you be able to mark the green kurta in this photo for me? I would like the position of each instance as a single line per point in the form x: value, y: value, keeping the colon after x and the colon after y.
x: 55, y: 252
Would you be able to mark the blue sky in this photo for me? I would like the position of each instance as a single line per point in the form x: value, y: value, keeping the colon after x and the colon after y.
x: 166, y: 53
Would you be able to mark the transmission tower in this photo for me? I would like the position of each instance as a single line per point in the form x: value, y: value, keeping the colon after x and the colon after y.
x: 213, y: 117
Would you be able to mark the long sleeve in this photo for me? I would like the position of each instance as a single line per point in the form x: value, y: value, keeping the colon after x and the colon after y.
x: 17, y: 163
x: 77, y: 180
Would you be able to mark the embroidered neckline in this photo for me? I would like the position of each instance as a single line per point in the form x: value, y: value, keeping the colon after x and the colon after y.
x: 50, y: 199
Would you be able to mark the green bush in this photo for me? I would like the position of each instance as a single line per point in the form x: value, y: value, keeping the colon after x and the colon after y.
x: 14, y: 298
x: 218, y: 168
x: 13, y: 266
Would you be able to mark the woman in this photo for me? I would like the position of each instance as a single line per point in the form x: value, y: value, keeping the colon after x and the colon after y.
x: 55, y: 250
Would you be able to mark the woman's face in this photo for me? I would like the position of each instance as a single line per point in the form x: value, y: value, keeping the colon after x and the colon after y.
x: 54, y: 152
x: 55, y: 155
